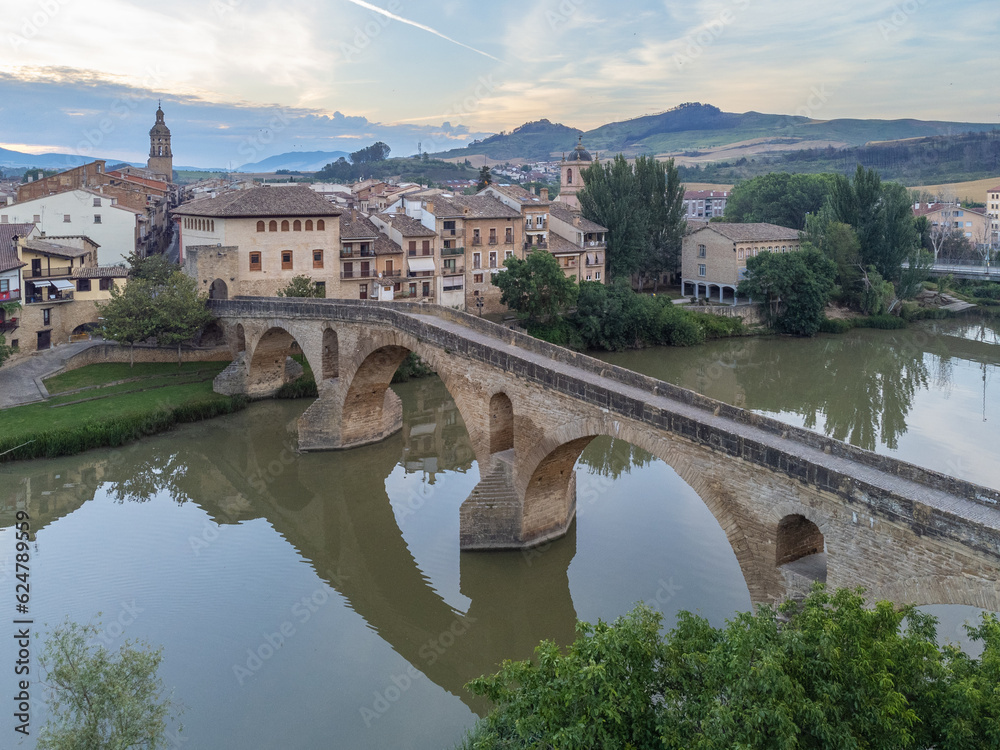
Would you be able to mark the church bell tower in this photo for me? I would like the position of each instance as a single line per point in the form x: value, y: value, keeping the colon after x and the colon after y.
x: 161, y: 159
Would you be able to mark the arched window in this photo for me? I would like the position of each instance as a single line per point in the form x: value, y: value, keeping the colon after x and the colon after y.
x: 260, y: 226
x: 740, y: 255
x: 569, y: 176
x: 309, y: 225
x: 213, y: 224
x: 297, y: 226
x: 284, y: 225
x: 320, y: 225
x: 273, y: 226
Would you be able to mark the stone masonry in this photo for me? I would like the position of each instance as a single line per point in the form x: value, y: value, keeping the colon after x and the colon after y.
x: 782, y: 495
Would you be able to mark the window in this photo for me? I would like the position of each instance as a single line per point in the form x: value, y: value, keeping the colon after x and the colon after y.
x: 47, y: 317
x: 508, y: 254
x: 297, y: 226
x: 449, y: 227
x: 83, y: 285
x: 317, y: 258
x: 284, y: 225
x: 425, y: 247
x: 701, y: 269
x: 254, y: 261
x: 476, y: 240
x: 97, y: 218
x: 493, y: 236
x: 309, y: 225
x: 569, y: 176
x: 412, y: 248
x: 66, y: 219
x: 320, y: 288
x: 97, y: 202
x: 477, y: 260
x: 597, y: 275
x: 413, y: 290
x: 105, y: 285
x: 4, y: 219
x: 739, y: 255
x: 37, y: 219
x: 701, y: 251
x: 272, y: 226
x: 4, y: 285
x: 493, y: 259
x: 286, y: 259
x: 509, y: 235
x: 477, y: 278
x: 260, y: 226
x: 364, y: 292
x: 320, y: 226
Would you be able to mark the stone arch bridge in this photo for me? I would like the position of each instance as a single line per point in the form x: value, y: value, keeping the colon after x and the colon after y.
x: 795, y: 506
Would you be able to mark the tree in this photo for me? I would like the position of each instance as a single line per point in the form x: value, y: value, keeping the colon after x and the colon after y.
x: 778, y: 198
x: 795, y: 286
x: 378, y: 151
x: 882, y: 216
x: 827, y: 672
x: 155, y: 268
x: 180, y: 312
x: 535, y: 288
x: 485, y: 178
x: 130, y: 315
x: 301, y: 286
x: 100, y: 699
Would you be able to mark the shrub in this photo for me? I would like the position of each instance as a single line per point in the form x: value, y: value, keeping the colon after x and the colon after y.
x: 882, y: 322
x: 718, y: 326
x: 835, y: 325
x: 412, y: 367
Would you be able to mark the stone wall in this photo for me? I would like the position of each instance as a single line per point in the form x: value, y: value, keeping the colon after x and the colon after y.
x: 114, y: 353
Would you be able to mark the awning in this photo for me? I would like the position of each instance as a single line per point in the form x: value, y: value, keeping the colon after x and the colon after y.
x: 38, y: 284
x: 420, y: 265
x: 63, y: 285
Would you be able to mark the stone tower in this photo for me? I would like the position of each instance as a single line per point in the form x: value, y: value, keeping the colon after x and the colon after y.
x: 161, y: 159
x: 571, y: 175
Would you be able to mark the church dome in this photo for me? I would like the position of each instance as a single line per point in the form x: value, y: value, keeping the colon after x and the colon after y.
x: 580, y: 153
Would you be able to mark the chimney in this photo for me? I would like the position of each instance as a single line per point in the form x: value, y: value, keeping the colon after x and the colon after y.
x: 430, y: 207
x: 544, y: 193
x: 354, y: 215
x: 576, y: 221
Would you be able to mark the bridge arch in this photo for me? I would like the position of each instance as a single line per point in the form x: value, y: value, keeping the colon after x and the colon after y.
x: 266, y: 360
x: 547, y: 479
x: 331, y: 354
x: 982, y: 591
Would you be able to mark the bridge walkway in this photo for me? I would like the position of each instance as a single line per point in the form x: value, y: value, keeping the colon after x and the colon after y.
x: 956, y: 506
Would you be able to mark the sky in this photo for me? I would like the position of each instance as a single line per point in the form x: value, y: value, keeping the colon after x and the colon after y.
x: 241, y: 80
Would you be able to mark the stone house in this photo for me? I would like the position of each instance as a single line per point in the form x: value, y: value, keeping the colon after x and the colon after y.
x: 254, y: 242
x: 579, y: 244
x: 61, y: 284
x: 428, y: 276
x: 371, y: 265
x: 713, y: 257
x: 705, y: 204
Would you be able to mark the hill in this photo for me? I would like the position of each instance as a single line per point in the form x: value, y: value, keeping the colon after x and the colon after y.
x: 694, y: 126
x: 532, y: 141
x: 16, y: 160
x: 294, y: 161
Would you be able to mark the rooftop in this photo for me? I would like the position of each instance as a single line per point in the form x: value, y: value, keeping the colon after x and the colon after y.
x: 8, y: 253
x: 518, y: 193
x: 696, y: 195
x: 52, y: 248
x: 559, y: 211
x: 470, y: 207
x: 357, y: 227
x: 407, y: 225
x: 751, y: 232
x: 262, y: 201
x: 100, y: 272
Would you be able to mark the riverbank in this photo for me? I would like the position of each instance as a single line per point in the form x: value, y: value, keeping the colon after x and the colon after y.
x: 108, y: 405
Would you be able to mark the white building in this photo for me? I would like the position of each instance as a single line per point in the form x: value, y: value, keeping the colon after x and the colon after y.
x: 118, y: 230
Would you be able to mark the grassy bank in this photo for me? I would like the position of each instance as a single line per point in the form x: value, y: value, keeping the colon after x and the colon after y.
x: 108, y: 405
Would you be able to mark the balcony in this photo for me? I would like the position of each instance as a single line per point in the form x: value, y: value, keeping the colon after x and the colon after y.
x: 39, y: 299
x: 420, y: 274
x: 371, y: 273
x: 10, y: 296
x: 452, y: 251
x: 392, y: 274
x: 6, y: 326
x: 452, y: 232
x: 477, y: 240
x: 357, y: 253
x: 453, y: 270
x: 45, y: 273
x: 532, y: 246
x: 494, y: 241
x: 419, y: 253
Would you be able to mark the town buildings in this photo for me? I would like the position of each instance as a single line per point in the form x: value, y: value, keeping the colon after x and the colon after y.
x: 993, y: 214
x: 713, y: 257
x: 705, y: 204
x: 954, y: 218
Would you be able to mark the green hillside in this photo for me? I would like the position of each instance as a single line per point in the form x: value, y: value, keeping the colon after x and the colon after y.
x: 694, y: 126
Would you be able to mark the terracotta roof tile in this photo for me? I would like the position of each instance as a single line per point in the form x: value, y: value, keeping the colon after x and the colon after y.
x: 261, y: 201
x: 479, y: 207
x: 52, y: 248
x: 358, y: 227
x: 100, y: 272
x: 407, y: 225
x: 752, y: 232
x: 8, y: 253
x: 559, y: 211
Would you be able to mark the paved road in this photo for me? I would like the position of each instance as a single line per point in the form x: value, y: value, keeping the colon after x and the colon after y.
x: 21, y: 382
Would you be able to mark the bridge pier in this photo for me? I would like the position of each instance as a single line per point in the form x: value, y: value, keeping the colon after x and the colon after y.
x: 324, y: 426
x: 492, y: 517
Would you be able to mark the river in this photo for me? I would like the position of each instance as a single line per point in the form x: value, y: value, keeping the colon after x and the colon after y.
x: 320, y: 600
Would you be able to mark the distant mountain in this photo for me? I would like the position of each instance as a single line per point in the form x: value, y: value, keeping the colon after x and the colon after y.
x: 294, y: 161
x: 533, y: 140
x: 695, y: 126
x: 17, y: 160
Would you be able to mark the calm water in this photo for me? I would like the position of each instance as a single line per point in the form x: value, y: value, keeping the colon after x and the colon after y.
x: 321, y: 601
